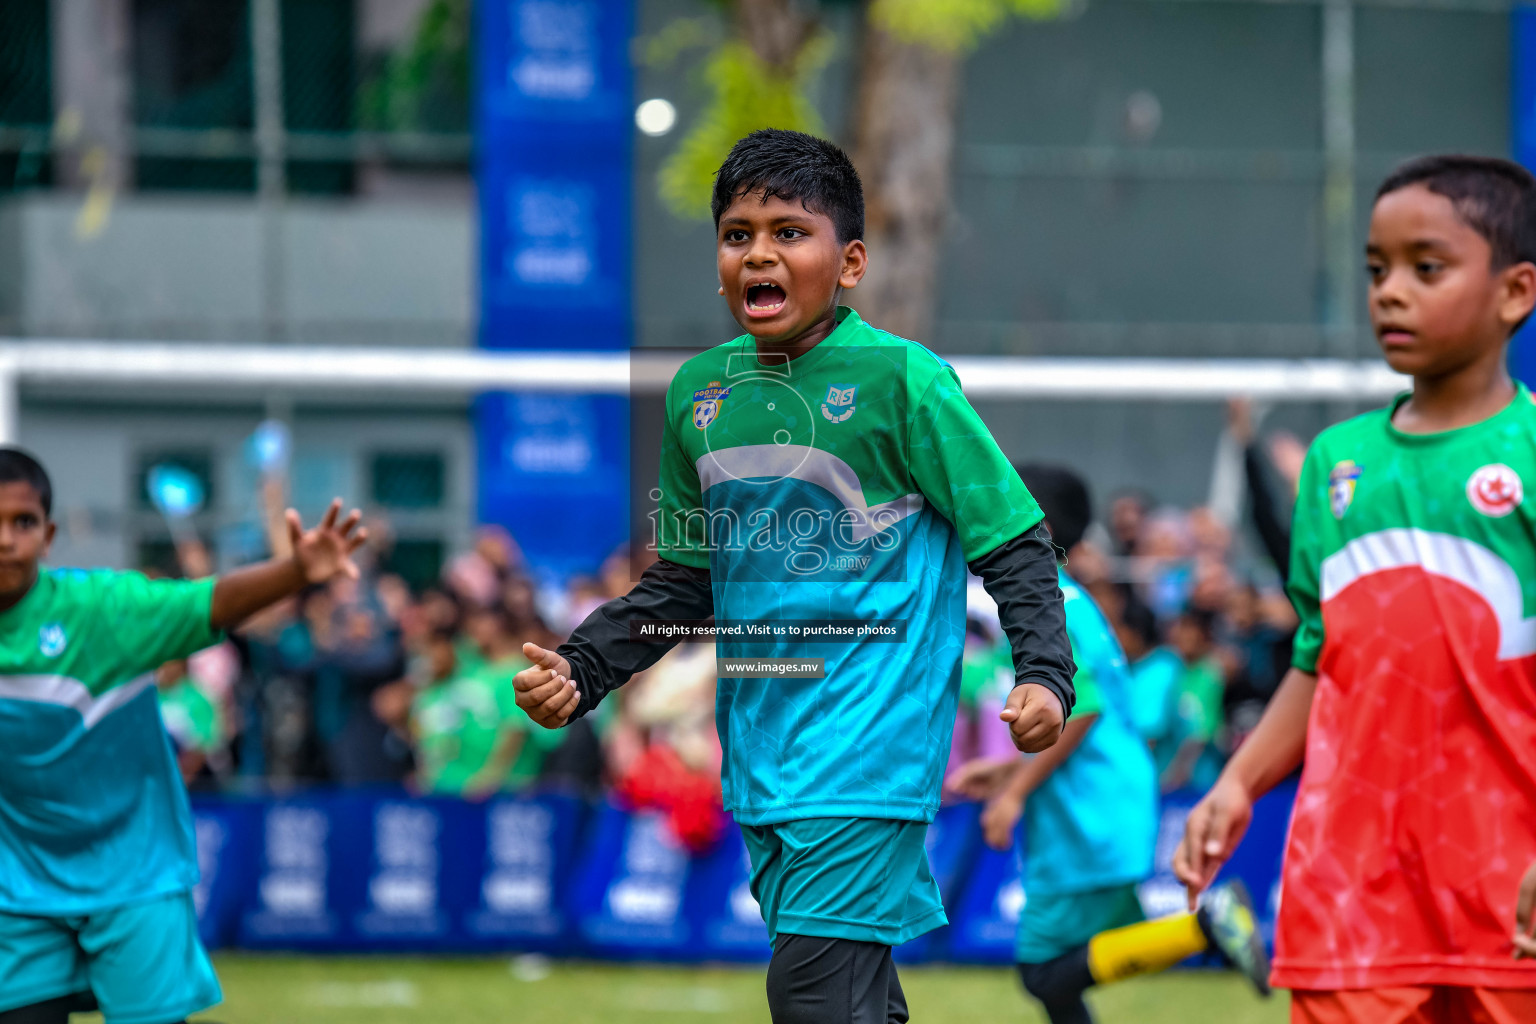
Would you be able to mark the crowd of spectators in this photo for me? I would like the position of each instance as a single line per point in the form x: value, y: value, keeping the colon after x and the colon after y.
x: 367, y: 682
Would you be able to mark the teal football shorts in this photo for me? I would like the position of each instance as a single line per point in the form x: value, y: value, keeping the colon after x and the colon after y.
x: 143, y: 960
x: 844, y: 878
x: 1057, y: 923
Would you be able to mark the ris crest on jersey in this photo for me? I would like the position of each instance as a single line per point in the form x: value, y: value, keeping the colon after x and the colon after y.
x: 1495, y: 490
x: 838, y: 405
x: 1341, y: 487
x: 706, y: 404
x: 51, y: 640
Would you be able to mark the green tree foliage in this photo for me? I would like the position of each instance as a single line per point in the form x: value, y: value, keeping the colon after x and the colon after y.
x: 424, y: 86
x: 747, y: 94
x: 953, y: 26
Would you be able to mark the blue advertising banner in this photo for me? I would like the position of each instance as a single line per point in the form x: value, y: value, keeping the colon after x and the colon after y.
x: 628, y: 897
x: 987, y: 917
x: 226, y: 863
x: 404, y: 870
x: 1522, y: 110
x: 952, y: 841
x: 555, y: 263
x: 554, y: 130
x: 357, y: 871
x: 555, y: 69
x: 516, y: 899
x: 554, y: 470
x: 294, y: 902
x: 730, y: 922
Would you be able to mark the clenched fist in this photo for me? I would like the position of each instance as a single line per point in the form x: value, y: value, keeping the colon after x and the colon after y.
x: 546, y: 691
x: 1035, y: 717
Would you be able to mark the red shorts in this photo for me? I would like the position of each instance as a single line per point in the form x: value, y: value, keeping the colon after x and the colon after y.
x: 1418, y: 1004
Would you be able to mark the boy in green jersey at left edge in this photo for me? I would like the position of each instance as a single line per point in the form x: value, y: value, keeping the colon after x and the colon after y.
x: 97, y: 852
x: 817, y: 472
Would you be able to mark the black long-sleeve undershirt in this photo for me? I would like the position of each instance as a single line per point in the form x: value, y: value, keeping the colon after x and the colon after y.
x: 601, y: 651
x: 1274, y: 528
x: 1020, y: 574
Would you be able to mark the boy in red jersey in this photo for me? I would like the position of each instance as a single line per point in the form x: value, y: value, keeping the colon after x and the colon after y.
x: 1413, y: 691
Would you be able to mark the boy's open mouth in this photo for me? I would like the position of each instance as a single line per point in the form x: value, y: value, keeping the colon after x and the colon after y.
x: 765, y: 297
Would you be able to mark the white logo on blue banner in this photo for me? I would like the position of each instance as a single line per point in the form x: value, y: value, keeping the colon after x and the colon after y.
x: 518, y: 838
x: 1010, y: 901
x: 559, y: 49
x: 550, y: 436
x: 405, y: 849
x: 554, y: 238
x: 211, y: 835
x: 655, y: 865
x: 295, y: 881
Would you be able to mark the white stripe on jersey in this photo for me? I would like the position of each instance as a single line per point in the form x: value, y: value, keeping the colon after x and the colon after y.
x: 756, y: 462
x: 1439, y: 554
x: 72, y: 693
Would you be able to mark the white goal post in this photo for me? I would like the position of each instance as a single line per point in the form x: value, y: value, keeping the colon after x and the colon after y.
x: 237, y: 370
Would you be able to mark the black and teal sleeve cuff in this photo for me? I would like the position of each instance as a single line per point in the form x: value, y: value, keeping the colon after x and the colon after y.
x: 602, y: 650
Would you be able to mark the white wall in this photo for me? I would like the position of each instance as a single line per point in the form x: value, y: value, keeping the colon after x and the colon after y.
x: 192, y: 267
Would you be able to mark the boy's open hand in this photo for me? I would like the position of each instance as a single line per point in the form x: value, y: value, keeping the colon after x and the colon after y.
x: 981, y: 778
x: 1211, y: 832
x: 999, y: 818
x: 1525, y: 920
x: 546, y: 691
x: 1034, y: 716
x: 326, y: 551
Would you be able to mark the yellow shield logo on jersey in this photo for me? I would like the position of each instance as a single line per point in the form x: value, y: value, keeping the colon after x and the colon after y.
x: 706, y: 404
x: 1341, y: 487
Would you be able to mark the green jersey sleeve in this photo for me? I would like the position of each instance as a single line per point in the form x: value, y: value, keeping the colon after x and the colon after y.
x: 681, y: 522
x: 1090, y: 698
x: 1306, y: 562
x: 1197, y: 702
x: 191, y: 717
x: 155, y: 621
x: 959, y: 468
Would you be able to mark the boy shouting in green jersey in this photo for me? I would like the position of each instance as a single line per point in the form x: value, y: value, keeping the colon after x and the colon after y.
x: 824, y: 486
x: 97, y: 852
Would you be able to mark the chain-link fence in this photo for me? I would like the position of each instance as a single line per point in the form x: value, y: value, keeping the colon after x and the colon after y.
x: 178, y: 103
x: 25, y: 96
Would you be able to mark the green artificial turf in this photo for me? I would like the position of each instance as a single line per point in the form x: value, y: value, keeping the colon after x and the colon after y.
x: 418, y: 990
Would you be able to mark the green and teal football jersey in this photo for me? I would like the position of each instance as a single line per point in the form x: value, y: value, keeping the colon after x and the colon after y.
x: 92, y: 810
x: 854, y: 483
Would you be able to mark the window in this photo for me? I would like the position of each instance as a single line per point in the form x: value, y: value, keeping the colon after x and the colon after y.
x: 192, y: 69
x: 196, y: 461
x: 318, y: 86
x: 26, y: 99
x: 408, y: 480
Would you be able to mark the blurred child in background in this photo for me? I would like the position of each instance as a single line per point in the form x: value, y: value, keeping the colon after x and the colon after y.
x: 1086, y: 809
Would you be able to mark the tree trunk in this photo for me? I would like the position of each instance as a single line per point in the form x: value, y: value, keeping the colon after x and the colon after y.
x: 904, y: 140
x: 777, y: 30
x: 91, y: 91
